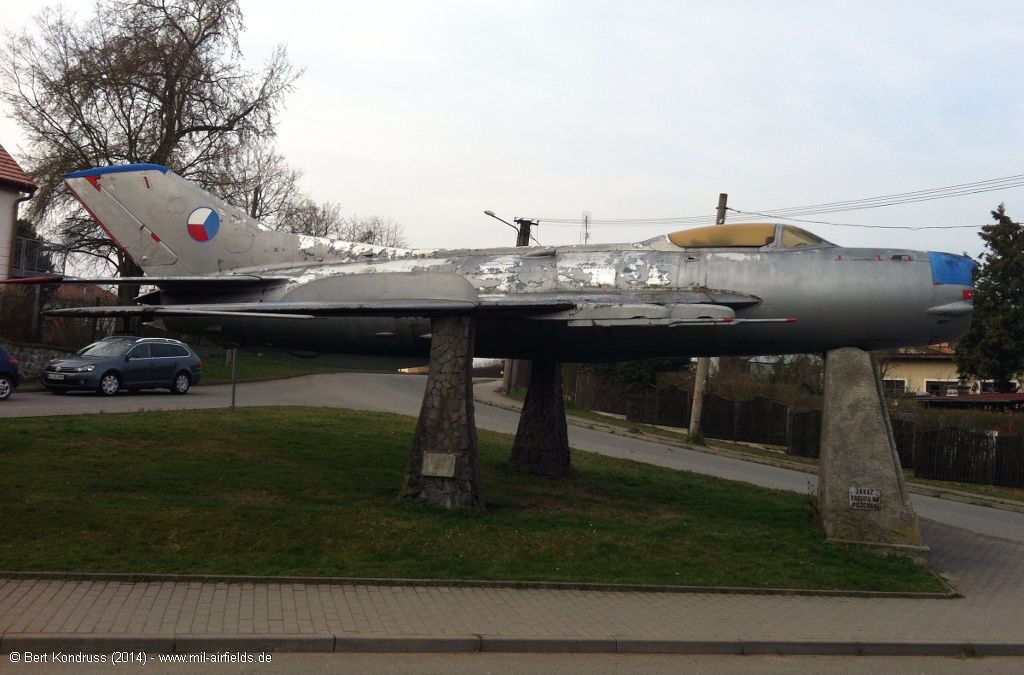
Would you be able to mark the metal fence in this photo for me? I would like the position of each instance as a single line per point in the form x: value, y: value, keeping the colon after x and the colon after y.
x: 665, y: 406
x: 37, y: 257
x: 949, y: 454
x: 804, y: 439
x: 598, y: 393
x: 760, y: 420
x: 904, y: 433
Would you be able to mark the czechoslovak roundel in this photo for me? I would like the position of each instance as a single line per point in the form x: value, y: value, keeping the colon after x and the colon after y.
x: 203, y: 224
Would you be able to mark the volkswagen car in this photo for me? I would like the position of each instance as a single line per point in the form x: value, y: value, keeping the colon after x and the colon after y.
x: 9, y: 377
x: 121, y: 363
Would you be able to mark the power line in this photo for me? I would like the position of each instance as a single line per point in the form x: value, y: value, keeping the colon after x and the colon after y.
x: 957, y: 190
x: 915, y: 196
x: 874, y: 227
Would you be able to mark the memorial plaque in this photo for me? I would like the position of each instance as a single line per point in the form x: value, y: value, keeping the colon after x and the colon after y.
x: 439, y: 464
x: 866, y: 499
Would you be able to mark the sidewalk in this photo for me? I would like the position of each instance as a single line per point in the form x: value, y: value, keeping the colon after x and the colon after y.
x: 38, y: 615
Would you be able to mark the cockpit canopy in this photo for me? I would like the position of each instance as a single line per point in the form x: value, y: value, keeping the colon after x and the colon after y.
x: 746, y: 235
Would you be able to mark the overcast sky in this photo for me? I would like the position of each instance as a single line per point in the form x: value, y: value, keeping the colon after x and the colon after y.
x: 431, y: 112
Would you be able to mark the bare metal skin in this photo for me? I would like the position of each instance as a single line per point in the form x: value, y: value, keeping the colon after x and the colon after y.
x: 601, y: 302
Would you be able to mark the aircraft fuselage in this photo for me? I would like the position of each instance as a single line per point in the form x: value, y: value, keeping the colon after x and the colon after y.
x: 867, y: 298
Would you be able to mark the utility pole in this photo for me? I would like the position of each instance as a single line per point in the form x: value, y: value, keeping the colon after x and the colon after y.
x: 512, y: 367
x: 523, y: 237
x: 586, y: 227
x: 720, y: 217
x: 700, y: 378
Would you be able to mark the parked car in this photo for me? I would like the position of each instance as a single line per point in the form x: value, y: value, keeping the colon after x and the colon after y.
x: 124, y: 362
x: 9, y: 378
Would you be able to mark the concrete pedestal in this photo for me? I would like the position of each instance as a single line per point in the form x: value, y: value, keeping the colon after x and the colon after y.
x: 443, y: 467
x: 541, y: 446
x: 862, y: 495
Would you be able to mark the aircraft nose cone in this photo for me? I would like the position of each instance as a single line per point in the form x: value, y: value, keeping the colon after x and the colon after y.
x: 952, y: 269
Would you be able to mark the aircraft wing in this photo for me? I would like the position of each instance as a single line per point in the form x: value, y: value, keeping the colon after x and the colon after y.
x: 574, y: 314
x: 307, y: 309
x: 437, y: 294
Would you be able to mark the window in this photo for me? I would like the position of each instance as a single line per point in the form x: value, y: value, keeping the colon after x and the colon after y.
x: 794, y: 237
x: 161, y: 351
x: 894, y: 387
x: 754, y: 235
x: 179, y: 350
x: 140, y: 352
x: 941, y: 387
x: 105, y: 348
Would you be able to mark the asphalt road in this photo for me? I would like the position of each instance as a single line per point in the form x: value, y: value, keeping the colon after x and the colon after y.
x: 403, y: 394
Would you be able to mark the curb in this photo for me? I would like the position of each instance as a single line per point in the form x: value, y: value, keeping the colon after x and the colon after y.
x: 141, y: 577
x: 341, y: 643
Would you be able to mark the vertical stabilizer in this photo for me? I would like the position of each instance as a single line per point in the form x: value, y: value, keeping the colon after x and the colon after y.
x: 170, y: 226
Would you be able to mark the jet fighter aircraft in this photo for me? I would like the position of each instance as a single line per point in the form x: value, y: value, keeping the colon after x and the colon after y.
x: 760, y: 288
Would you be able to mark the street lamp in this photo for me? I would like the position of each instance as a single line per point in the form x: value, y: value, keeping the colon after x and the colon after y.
x: 523, y: 229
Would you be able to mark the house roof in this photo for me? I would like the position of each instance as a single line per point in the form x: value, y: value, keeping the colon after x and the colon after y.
x: 979, y: 398
x: 939, y: 351
x: 11, y: 174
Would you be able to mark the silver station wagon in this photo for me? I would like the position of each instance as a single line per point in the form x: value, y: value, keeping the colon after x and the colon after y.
x: 123, y: 362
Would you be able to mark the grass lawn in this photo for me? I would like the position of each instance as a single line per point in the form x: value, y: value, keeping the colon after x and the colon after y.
x: 312, y: 491
x: 266, y: 365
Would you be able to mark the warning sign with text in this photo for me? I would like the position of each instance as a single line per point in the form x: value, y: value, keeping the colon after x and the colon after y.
x: 867, y: 499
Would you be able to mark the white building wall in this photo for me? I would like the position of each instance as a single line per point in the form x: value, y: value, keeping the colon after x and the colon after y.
x: 7, y: 220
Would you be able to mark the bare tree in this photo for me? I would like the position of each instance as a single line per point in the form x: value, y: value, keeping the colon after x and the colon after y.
x: 373, y: 230
x: 155, y: 81
x: 255, y: 177
x: 306, y: 216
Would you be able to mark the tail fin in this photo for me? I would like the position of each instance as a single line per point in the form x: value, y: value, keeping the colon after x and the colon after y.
x: 172, y: 227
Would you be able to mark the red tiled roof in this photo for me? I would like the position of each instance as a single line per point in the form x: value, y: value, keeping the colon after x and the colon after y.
x: 12, y: 174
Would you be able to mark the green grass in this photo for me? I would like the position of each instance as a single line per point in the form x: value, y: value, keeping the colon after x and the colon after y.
x: 265, y: 366
x: 310, y: 491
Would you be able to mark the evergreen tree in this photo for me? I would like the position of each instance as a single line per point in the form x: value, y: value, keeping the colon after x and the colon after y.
x: 993, y: 349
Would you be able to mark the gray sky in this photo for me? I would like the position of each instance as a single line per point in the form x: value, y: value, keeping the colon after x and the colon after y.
x: 430, y: 113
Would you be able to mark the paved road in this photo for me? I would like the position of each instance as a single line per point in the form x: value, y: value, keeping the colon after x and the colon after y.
x: 403, y: 394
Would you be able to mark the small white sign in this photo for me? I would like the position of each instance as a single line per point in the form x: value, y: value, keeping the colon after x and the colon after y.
x: 866, y: 499
x: 439, y: 464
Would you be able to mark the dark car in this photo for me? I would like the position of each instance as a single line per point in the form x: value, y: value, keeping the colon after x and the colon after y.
x: 123, y: 362
x: 9, y: 378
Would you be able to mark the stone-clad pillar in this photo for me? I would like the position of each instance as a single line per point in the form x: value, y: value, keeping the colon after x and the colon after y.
x: 443, y: 467
x: 541, y: 447
x: 862, y: 494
